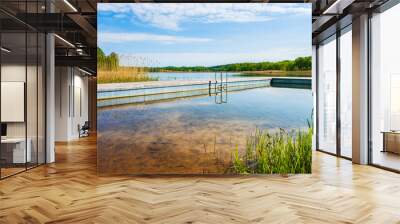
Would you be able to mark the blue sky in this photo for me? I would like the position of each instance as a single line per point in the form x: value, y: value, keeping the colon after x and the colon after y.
x: 154, y: 34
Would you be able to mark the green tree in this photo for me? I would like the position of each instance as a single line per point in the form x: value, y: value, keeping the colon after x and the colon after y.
x: 105, y: 62
x: 114, y: 61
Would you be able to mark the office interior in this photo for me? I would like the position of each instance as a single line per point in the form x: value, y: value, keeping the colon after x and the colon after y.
x: 48, y: 79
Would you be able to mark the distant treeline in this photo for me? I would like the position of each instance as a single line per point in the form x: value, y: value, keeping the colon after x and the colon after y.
x: 104, y: 62
x: 111, y: 62
x: 299, y: 64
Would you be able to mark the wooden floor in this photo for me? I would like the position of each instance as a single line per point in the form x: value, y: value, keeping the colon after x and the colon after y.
x: 387, y: 159
x: 70, y: 191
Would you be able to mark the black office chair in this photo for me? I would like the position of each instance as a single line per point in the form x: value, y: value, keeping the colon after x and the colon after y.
x: 84, y: 130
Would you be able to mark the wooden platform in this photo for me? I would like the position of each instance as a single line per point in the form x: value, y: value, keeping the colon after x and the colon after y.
x: 157, y: 84
x: 70, y: 191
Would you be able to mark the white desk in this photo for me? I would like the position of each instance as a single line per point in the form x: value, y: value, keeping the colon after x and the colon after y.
x: 19, y: 155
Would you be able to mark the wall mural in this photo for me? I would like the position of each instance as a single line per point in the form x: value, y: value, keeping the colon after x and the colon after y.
x: 204, y: 88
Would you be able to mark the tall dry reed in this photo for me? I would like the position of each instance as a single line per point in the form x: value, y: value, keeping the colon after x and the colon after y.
x: 124, y: 74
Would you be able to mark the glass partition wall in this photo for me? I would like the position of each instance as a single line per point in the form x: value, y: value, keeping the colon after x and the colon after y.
x: 22, y: 94
x: 327, y: 95
x: 13, y: 88
x: 345, y: 61
x: 334, y: 85
x: 385, y: 89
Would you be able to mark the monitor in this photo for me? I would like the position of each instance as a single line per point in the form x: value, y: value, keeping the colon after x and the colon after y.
x: 3, y: 129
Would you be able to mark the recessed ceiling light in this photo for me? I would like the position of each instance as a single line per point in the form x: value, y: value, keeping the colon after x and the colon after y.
x: 337, y: 7
x: 70, y: 5
x: 5, y: 50
x: 86, y: 72
x: 64, y: 40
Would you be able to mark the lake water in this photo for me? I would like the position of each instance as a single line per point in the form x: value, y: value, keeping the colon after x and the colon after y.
x: 193, y: 135
x: 167, y: 76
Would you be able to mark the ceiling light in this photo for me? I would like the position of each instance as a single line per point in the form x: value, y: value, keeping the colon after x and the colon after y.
x: 337, y: 7
x: 70, y: 5
x: 331, y: 7
x: 86, y: 72
x: 5, y: 50
x: 64, y: 40
x: 79, y: 51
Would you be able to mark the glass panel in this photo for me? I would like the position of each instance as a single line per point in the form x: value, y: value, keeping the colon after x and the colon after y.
x: 327, y: 96
x: 23, y: 90
x: 31, y: 98
x: 386, y: 89
x: 32, y: 89
x: 41, y: 99
x: 13, y: 86
x: 346, y: 93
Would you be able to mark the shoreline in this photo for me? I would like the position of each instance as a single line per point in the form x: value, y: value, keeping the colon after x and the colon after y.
x: 263, y: 72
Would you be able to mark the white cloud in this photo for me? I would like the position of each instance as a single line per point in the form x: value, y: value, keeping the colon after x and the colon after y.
x: 210, y: 59
x: 171, y: 16
x: 133, y: 37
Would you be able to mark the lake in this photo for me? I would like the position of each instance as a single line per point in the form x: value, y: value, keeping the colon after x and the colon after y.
x: 193, y: 135
x: 167, y: 76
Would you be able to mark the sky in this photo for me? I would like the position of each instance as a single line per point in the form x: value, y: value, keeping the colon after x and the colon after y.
x: 182, y: 34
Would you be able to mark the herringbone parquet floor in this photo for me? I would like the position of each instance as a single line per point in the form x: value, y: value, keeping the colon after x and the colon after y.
x: 70, y: 191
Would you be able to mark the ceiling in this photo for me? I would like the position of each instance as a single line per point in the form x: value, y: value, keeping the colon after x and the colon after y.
x: 75, y: 22
x: 332, y: 15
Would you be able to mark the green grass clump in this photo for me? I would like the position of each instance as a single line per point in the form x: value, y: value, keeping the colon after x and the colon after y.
x: 275, y: 153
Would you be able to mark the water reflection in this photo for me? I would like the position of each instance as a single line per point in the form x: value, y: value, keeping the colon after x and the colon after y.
x: 193, y: 135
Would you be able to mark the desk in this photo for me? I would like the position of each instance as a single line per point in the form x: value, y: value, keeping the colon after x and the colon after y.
x: 391, y: 141
x: 18, y: 149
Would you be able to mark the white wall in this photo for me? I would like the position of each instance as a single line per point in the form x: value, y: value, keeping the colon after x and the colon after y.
x: 71, y: 87
x: 33, y: 126
x: 62, y: 83
x: 80, y: 110
x: 13, y: 101
x: 14, y: 72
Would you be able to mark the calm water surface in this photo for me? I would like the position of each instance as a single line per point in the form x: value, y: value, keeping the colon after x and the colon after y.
x: 167, y: 76
x: 194, y: 135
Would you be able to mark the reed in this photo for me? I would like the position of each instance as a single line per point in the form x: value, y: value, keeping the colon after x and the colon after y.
x: 124, y: 74
x: 109, y: 69
x: 275, y: 153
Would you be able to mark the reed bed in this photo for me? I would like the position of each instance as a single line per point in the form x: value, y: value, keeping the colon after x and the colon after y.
x: 124, y: 74
x: 275, y: 153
